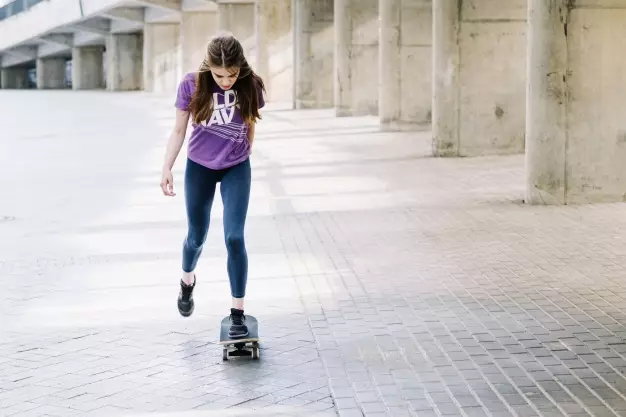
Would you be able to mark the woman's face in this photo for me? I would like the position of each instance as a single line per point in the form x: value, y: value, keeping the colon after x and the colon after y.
x: 225, y: 77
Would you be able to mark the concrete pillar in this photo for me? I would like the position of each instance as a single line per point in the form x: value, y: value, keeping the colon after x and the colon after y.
x: 51, y: 73
x: 356, y: 57
x: 239, y: 19
x: 124, y: 61
x: 405, y: 53
x: 14, y: 78
x: 313, y: 55
x: 196, y: 29
x: 576, y: 131
x: 446, y: 78
x: 88, y: 67
x: 479, y: 65
x: 161, y: 57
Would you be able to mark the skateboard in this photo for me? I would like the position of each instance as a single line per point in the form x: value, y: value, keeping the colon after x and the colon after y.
x: 245, y: 346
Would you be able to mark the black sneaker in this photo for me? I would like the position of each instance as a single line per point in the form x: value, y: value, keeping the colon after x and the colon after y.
x: 238, y: 328
x: 185, y: 298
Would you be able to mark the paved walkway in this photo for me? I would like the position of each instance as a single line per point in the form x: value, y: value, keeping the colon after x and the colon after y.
x: 386, y: 282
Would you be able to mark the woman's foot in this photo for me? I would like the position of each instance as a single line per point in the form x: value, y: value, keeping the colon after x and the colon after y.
x: 238, y: 328
x: 185, y: 298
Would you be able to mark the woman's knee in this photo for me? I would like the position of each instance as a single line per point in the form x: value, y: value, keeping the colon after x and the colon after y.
x: 195, y: 239
x: 235, y: 242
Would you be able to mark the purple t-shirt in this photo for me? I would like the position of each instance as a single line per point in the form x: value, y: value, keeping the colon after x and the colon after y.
x: 222, y: 140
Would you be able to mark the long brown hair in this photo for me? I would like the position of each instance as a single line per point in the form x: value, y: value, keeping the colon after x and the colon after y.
x: 225, y: 51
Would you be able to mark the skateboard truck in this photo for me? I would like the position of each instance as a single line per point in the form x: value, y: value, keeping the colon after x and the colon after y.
x: 241, y: 349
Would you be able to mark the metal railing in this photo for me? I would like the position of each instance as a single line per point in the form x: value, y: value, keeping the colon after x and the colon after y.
x: 16, y: 7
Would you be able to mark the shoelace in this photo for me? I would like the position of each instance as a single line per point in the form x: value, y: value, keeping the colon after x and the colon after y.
x: 237, y: 320
x: 187, y: 291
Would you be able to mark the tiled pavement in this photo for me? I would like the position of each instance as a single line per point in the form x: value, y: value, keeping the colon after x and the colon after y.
x: 387, y: 283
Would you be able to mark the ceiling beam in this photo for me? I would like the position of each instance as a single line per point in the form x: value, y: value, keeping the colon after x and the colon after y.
x: 126, y: 13
x: 167, y: 5
x: 61, y: 39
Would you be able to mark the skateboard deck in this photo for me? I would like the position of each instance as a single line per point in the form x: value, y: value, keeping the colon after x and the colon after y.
x: 245, y: 346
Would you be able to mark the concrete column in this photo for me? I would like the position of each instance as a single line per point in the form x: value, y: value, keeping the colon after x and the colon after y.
x: 161, y: 57
x: 446, y: 78
x: 88, y: 68
x: 546, y: 115
x: 196, y: 29
x: 479, y: 64
x: 124, y: 61
x: 14, y: 78
x: 313, y: 56
x: 576, y: 132
x: 51, y: 73
x: 356, y: 57
x: 405, y: 56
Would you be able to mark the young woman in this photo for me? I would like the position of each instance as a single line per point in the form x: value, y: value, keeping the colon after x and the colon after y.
x: 223, y: 100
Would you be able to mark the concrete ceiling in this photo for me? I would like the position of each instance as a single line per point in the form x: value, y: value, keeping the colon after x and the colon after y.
x: 128, y: 17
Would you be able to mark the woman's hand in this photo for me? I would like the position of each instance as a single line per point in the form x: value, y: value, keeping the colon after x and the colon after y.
x: 167, y: 183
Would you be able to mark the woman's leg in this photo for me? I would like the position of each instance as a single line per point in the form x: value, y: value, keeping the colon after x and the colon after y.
x: 235, y: 190
x: 200, y: 185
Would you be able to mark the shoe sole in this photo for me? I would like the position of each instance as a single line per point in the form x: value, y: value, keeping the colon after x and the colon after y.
x: 188, y: 313
x: 241, y: 336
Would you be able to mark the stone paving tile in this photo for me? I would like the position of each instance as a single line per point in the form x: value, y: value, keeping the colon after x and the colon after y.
x: 389, y: 283
x: 513, y: 325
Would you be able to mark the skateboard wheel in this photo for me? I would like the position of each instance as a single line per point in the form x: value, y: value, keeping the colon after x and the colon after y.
x: 255, y: 352
x: 225, y: 354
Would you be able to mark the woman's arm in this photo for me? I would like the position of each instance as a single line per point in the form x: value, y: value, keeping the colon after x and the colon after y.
x: 251, y: 129
x: 175, y: 143
x: 177, y: 138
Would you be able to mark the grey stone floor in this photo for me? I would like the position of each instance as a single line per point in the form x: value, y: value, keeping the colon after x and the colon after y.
x: 386, y: 282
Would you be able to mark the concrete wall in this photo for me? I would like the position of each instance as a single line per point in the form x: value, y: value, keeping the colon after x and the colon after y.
x: 416, y: 39
x: 405, y: 84
x: 314, y: 55
x: 356, y: 57
x: 479, y: 100
x: 161, y: 57
x: 197, y: 28
x: 576, y: 148
x: 274, y: 48
x: 492, y: 77
x: 239, y: 19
